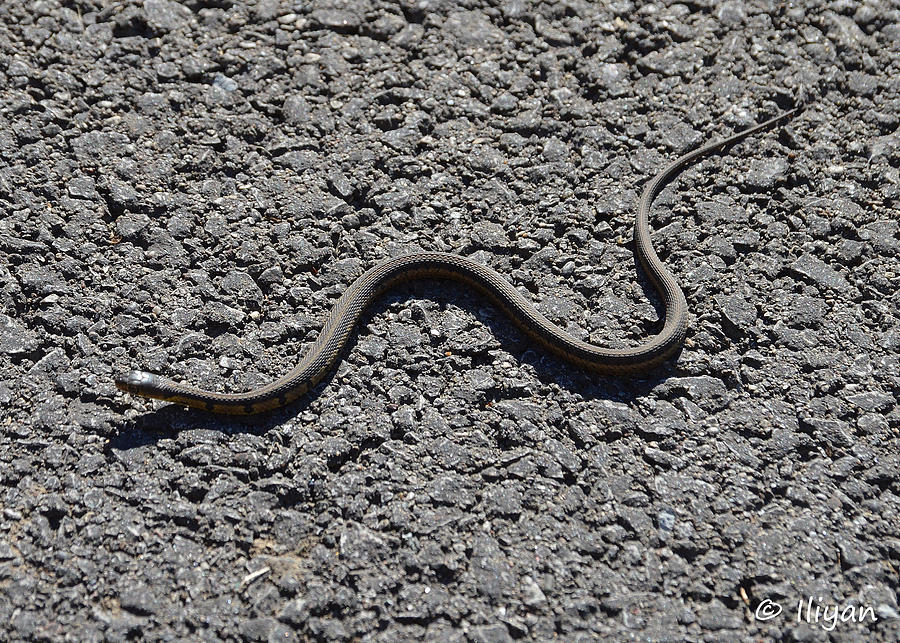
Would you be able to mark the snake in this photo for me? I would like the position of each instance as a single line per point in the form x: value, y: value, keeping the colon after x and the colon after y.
x: 325, y: 352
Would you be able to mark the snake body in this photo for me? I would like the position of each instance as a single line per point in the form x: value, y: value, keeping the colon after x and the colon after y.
x: 324, y: 353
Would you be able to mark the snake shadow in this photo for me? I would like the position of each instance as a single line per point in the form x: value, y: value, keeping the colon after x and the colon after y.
x: 173, y: 419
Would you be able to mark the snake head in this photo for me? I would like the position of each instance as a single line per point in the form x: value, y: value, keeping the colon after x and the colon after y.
x: 136, y: 382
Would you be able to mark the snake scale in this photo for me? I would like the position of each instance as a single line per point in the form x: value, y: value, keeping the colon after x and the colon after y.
x: 323, y: 355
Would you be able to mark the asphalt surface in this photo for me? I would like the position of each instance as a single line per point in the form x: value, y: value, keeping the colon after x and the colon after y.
x: 186, y: 188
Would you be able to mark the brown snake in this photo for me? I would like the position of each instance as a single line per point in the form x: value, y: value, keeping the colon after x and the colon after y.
x: 323, y: 355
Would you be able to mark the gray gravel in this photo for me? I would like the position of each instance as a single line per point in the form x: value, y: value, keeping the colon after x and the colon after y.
x: 187, y: 187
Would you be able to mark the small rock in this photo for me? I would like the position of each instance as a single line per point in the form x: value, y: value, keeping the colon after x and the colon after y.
x: 272, y: 275
x: 708, y: 392
x: 818, y: 272
x: 490, y: 634
x: 503, y: 501
x: 295, y: 109
x: 129, y: 225
x: 660, y: 458
x: 550, y: 33
x: 82, y: 187
x: 224, y: 83
x: 15, y: 338
x: 533, y: 595
x: 449, y: 490
x: 139, y: 600
x: 764, y: 173
x: 257, y: 629
x: 266, y: 10
x: 665, y: 521
x: 165, y: 15
x: 872, y: 401
x: 718, y: 617
x: 338, y: 19
x: 241, y: 286
x: 387, y: 25
x: 738, y: 313
x: 504, y: 103
x: 294, y: 613
x: 472, y: 28
x: 834, y: 432
x: 852, y: 554
x: 121, y: 194
x: 555, y: 150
